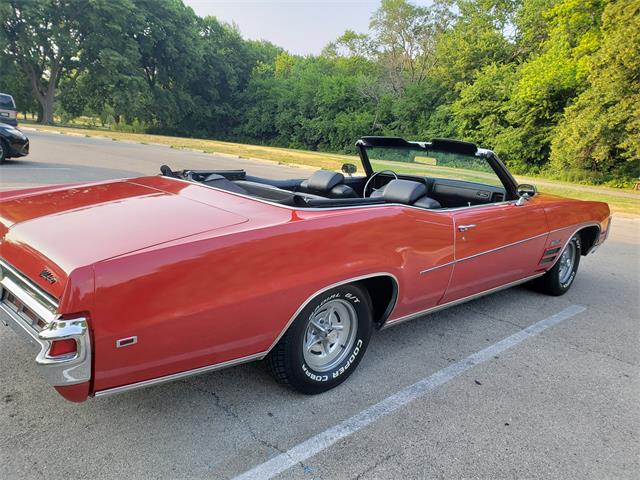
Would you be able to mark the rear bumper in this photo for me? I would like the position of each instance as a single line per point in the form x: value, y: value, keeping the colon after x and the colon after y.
x: 32, y: 315
x: 9, y: 121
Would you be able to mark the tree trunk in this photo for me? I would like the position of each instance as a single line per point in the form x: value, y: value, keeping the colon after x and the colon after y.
x: 44, y: 95
x: 47, y: 109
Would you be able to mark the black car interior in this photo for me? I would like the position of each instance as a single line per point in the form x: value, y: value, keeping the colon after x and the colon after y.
x: 328, y: 189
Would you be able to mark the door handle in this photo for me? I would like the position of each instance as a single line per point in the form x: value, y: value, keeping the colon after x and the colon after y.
x: 464, y: 228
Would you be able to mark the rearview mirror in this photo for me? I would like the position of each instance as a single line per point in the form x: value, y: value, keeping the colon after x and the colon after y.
x: 349, y: 168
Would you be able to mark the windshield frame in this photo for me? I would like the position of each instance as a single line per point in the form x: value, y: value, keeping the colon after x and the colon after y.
x: 440, y: 145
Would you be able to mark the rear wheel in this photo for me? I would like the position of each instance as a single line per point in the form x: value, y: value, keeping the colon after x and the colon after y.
x: 325, y: 342
x: 559, y: 278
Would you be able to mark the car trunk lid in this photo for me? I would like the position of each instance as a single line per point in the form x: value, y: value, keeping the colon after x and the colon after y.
x: 61, y: 230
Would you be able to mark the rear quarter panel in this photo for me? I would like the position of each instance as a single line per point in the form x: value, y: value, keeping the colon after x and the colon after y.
x: 215, y: 299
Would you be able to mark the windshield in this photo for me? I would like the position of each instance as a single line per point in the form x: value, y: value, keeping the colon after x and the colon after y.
x: 433, y: 164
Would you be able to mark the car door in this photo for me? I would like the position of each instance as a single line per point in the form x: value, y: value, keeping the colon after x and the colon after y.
x: 495, y: 245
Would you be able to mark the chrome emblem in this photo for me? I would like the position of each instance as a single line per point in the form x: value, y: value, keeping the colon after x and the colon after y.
x: 48, y: 276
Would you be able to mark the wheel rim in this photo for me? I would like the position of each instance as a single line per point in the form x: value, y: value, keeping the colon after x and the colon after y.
x: 1, y: 150
x: 567, y: 260
x: 330, y: 335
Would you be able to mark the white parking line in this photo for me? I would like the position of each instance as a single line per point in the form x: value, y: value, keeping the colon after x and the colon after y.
x: 324, y: 440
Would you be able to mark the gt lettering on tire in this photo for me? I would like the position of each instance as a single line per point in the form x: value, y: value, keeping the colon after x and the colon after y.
x: 325, y: 342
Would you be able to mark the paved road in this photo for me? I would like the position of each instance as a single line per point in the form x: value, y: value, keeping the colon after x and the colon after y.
x: 560, y: 400
x: 58, y: 158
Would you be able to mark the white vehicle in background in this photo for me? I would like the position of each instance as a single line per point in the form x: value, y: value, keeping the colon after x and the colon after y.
x: 8, y: 110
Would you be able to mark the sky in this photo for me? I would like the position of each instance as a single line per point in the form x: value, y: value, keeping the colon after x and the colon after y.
x: 299, y: 26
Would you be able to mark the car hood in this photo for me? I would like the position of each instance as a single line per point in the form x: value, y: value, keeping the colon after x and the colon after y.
x: 80, y: 225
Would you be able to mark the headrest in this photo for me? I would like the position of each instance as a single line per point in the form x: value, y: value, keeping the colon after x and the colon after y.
x: 324, y: 180
x: 403, y: 191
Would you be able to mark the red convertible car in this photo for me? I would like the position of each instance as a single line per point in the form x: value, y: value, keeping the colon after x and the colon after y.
x: 129, y: 283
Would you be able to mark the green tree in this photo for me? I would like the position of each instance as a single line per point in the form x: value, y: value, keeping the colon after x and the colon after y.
x: 548, y: 81
x: 599, y: 134
x: 13, y: 82
x: 53, y: 39
x: 480, y: 112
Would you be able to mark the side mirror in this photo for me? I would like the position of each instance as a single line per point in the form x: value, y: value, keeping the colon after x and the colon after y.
x: 527, y: 189
x: 349, y: 168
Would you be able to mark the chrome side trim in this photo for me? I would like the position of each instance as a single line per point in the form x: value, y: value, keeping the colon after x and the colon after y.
x: 502, y: 247
x: 178, y: 376
x: 437, y: 267
x: 453, y: 303
x: 337, y: 284
x: 484, y: 253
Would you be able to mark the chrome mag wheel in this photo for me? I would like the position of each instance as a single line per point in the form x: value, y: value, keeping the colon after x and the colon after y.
x: 330, y: 335
x: 566, y: 262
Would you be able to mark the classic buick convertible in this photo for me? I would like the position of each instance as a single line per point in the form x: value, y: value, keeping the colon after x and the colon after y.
x: 129, y: 283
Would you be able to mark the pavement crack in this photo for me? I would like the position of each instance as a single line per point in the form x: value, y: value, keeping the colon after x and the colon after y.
x: 492, y: 317
x: 587, y: 351
x: 551, y: 339
x: 231, y: 413
x: 373, y: 467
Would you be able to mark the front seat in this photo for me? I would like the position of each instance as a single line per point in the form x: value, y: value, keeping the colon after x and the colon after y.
x: 408, y: 193
x: 327, y: 184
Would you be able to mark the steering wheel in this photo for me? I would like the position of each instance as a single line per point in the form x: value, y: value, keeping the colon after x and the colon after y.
x: 366, y: 185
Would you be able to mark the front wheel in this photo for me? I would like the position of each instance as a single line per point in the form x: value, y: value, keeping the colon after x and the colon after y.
x: 4, y: 152
x: 325, y: 342
x: 559, y: 278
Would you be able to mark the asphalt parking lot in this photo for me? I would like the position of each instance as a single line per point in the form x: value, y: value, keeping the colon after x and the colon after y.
x: 513, y: 385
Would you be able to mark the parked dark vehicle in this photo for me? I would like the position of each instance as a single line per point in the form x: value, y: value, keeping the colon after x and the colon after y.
x: 13, y: 143
x: 8, y: 110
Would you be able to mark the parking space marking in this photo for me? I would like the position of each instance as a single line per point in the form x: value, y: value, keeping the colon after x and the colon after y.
x: 324, y: 440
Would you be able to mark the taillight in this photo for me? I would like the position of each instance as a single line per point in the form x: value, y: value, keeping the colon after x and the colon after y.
x: 62, y: 347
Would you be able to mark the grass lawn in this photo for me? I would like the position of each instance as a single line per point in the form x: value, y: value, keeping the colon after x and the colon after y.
x: 620, y: 201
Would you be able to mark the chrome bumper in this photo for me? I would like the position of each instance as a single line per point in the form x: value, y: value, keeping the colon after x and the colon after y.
x: 32, y: 314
